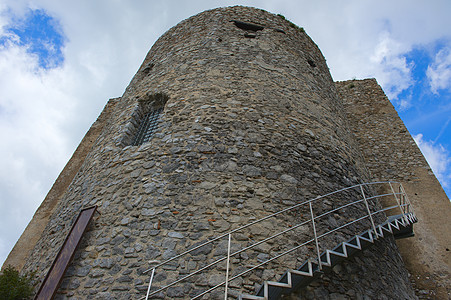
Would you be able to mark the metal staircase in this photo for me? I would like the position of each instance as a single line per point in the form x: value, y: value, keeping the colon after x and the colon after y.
x: 401, y: 226
x: 360, y: 205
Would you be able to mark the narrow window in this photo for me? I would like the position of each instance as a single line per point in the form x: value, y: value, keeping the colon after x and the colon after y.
x: 148, y: 125
x: 144, y: 120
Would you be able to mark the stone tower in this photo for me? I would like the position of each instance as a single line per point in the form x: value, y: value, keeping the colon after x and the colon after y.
x: 232, y: 116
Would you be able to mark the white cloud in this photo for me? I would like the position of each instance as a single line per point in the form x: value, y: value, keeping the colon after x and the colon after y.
x: 438, y: 158
x: 439, y: 72
x: 373, y: 37
x: 392, y: 69
x: 370, y: 43
x: 34, y: 146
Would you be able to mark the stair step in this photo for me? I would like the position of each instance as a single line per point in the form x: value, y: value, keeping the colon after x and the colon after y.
x: 250, y: 297
x: 269, y: 284
x: 301, y: 273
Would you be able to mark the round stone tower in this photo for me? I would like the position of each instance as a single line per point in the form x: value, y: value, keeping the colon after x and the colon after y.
x: 232, y: 116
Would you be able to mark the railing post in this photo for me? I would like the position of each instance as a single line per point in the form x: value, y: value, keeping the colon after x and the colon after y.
x: 409, y: 207
x: 368, y: 209
x: 316, y: 238
x: 403, y: 200
x: 404, y: 208
x: 150, y: 283
x: 398, y: 201
x: 396, y: 197
x: 227, y: 267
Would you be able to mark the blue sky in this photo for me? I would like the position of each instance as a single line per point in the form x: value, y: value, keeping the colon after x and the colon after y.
x: 39, y: 33
x: 428, y: 114
x: 430, y: 109
x: 60, y: 61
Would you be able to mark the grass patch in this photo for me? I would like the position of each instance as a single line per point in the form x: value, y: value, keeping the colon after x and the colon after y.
x: 291, y: 24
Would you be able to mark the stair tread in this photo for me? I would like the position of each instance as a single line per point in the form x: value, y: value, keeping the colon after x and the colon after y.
x: 250, y: 297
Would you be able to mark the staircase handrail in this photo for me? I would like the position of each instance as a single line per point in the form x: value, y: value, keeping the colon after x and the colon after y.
x: 403, y: 204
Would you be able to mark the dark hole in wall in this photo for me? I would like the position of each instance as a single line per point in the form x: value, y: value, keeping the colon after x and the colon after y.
x: 148, y: 68
x: 311, y: 63
x: 247, y: 26
x: 250, y: 35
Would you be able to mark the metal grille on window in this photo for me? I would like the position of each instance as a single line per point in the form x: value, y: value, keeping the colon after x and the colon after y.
x: 147, y: 127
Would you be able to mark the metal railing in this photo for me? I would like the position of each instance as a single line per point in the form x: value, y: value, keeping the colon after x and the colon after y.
x: 366, y: 206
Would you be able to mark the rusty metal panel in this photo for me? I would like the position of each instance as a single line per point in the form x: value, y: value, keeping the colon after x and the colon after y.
x: 52, y: 281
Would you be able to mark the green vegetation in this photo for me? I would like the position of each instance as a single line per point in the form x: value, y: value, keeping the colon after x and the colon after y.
x: 292, y: 25
x: 282, y: 16
x: 13, y: 286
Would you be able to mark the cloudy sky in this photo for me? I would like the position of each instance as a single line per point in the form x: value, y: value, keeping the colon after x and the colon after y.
x: 60, y: 61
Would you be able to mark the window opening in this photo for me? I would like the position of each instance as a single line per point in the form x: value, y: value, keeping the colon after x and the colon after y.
x: 247, y: 26
x: 145, y: 119
x: 147, y: 127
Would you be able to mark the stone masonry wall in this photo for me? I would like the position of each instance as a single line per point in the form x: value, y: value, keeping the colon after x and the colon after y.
x: 392, y: 154
x: 252, y: 123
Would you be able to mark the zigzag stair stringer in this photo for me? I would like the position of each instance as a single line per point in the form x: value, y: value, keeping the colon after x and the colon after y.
x: 328, y: 255
x: 294, y: 279
x: 395, y: 224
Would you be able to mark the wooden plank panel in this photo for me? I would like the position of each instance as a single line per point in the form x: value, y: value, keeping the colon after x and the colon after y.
x: 53, y: 279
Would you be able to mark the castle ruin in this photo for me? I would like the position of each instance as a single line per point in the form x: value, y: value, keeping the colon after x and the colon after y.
x: 232, y: 118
